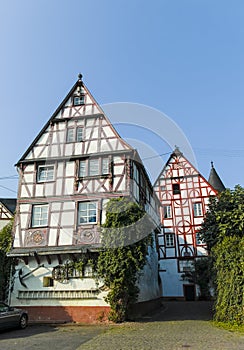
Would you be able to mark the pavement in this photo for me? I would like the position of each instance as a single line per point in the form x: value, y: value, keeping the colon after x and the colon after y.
x: 175, y: 326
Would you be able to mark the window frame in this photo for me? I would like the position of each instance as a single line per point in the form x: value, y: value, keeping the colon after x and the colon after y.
x: 41, y: 224
x: 46, y: 179
x: 197, y: 209
x: 87, y: 211
x: 80, y: 98
x: 176, y: 190
x: 169, y: 243
x: 75, y: 134
x: 167, y: 212
x: 97, y: 171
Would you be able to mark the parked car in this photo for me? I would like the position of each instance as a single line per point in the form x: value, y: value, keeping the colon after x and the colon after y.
x: 11, y: 317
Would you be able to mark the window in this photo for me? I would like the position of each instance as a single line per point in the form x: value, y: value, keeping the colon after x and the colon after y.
x: 199, y: 240
x: 167, y: 212
x: 176, y: 189
x: 169, y: 240
x: 47, y: 282
x: 87, y: 213
x: 75, y: 134
x: 79, y: 100
x: 79, y: 134
x: 105, y: 166
x: 82, y: 170
x: 94, y: 167
x: 186, y: 265
x: 39, y: 215
x: 197, y: 209
x: 45, y: 173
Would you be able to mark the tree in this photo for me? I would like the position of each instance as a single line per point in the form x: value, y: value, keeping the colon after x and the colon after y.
x: 223, y: 231
x: 5, y: 262
x: 225, y: 217
x: 125, y: 238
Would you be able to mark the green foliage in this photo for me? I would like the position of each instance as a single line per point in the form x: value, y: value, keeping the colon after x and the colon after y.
x: 229, y: 266
x: 5, y: 262
x: 202, y: 274
x: 223, y: 231
x: 125, y: 237
x: 225, y: 217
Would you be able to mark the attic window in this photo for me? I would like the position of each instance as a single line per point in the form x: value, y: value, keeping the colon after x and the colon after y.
x: 79, y: 100
x: 176, y: 188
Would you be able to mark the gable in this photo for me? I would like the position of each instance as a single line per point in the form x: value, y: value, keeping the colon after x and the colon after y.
x: 179, y: 168
x: 5, y: 214
x: 78, y: 113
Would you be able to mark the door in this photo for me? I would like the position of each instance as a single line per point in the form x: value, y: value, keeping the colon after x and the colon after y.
x: 189, y: 292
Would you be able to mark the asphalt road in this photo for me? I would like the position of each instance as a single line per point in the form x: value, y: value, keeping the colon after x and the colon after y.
x: 48, y: 337
x: 175, y: 326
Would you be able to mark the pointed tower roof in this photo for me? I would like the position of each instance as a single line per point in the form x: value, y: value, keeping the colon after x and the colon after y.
x: 215, y: 180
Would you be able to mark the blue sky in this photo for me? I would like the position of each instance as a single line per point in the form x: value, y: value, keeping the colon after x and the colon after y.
x: 181, y: 57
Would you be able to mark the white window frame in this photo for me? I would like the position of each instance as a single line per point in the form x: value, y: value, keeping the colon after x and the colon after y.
x: 79, y: 134
x: 167, y: 211
x: 39, y: 216
x: 75, y: 134
x: 169, y: 240
x: 197, y: 209
x: 47, y: 170
x: 94, y: 167
x: 79, y: 100
x: 87, y: 213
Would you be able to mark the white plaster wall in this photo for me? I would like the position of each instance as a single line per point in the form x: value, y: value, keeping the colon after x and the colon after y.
x: 148, y: 280
x: 172, y: 286
x: 35, y: 282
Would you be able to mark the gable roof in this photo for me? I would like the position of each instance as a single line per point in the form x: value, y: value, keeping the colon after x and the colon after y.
x: 215, y: 180
x: 9, y: 204
x: 78, y: 89
x: 175, y: 154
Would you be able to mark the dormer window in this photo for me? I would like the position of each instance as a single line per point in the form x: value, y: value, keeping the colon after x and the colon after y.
x: 79, y: 100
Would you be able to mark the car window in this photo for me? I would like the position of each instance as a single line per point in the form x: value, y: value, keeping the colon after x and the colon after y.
x: 3, y: 308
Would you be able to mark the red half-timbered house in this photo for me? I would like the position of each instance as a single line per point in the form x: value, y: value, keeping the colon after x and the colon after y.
x: 184, y: 195
x: 73, y: 167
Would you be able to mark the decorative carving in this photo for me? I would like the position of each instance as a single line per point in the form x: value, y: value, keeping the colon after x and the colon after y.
x: 36, y: 238
x: 87, y: 235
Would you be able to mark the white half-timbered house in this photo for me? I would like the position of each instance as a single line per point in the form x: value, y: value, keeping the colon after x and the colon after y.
x: 66, y: 177
x: 184, y: 195
x: 7, y: 209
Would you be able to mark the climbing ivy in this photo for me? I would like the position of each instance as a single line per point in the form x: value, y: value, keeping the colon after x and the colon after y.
x: 125, y: 239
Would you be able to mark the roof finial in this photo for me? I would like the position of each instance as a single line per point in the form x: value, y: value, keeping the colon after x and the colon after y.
x: 80, y: 77
x: 212, y: 165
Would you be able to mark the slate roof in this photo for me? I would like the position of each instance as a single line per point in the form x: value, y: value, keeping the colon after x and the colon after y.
x: 215, y: 180
x: 9, y: 203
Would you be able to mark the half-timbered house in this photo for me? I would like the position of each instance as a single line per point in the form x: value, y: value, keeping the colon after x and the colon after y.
x: 7, y: 209
x: 67, y: 175
x: 184, y: 195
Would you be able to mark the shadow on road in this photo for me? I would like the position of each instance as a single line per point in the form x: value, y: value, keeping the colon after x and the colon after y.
x: 15, y: 333
x: 179, y: 311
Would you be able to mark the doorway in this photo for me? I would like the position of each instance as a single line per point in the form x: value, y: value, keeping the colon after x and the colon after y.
x: 189, y: 292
